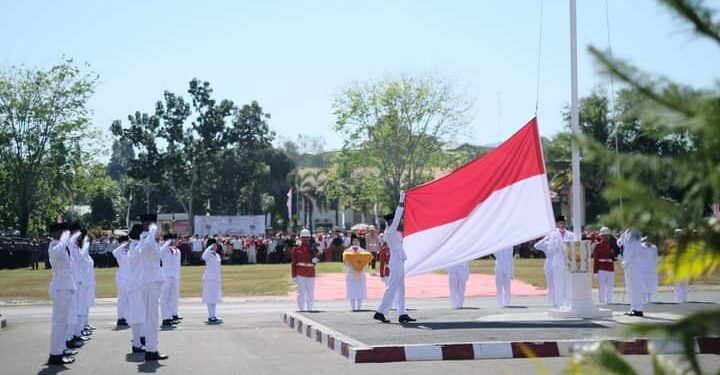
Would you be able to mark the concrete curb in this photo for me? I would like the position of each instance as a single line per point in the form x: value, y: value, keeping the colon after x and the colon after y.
x: 359, y: 352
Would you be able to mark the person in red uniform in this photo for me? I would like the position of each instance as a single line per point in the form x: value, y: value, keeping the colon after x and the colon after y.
x: 302, y: 261
x: 603, y: 266
x: 384, y: 256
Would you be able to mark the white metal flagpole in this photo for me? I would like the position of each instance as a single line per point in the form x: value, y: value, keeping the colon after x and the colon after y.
x: 575, y: 126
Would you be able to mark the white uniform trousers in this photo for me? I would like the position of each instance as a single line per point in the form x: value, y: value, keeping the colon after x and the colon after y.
x: 635, y: 289
x: 306, y: 292
x: 680, y: 292
x: 457, y: 291
x: 503, y: 281
x: 151, y: 298
x: 550, y: 284
x: 559, y: 277
x: 122, y: 300
x: 168, y: 298
x: 605, y: 280
x: 61, y: 322
x: 394, y: 290
x: 252, y: 255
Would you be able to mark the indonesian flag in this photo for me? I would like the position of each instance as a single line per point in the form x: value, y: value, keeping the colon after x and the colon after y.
x: 496, y: 201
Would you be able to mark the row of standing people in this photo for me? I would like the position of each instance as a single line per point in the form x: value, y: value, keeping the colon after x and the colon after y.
x: 72, y: 290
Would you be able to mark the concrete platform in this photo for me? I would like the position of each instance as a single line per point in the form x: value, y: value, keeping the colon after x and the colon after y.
x: 484, y: 333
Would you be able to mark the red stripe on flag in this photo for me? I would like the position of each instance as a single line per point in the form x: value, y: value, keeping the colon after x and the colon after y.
x: 456, y: 195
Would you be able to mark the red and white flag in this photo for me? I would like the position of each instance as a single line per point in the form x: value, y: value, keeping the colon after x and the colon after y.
x: 496, y: 201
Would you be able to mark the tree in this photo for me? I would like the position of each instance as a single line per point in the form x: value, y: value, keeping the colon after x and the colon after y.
x: 200, y: 151
x: 681, y: 117
x: 398, y: 125
x: 43, y: 118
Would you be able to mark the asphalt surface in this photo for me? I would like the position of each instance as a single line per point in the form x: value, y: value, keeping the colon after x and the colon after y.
x: 252, y: 340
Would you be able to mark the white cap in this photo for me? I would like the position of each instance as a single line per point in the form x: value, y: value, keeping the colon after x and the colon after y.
x: 305, y: 233
x: 605, y: 230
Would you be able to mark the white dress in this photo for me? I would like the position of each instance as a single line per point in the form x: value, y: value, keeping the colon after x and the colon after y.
x: 355, y: 283
x: 212, y: 281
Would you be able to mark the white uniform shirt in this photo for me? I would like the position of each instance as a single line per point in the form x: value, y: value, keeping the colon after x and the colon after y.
x: 394, y: 238
x: 149, y: 258
x: 61, y: 262
x: 124, y: 272
x: 171, y: 260
x: 212, y: 265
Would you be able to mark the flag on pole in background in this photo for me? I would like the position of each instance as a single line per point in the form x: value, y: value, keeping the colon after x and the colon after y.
x: 289, y: 203
x: 496, y: 201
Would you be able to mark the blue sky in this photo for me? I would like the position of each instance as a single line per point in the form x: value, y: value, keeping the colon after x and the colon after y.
x: 294, y: 56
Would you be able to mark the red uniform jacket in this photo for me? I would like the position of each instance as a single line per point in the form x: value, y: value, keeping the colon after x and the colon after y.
x: 384, y: 255
x: 301, y: 261
x: 604, y: 257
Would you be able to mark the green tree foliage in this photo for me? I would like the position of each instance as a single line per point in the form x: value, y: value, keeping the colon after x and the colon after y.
x: 673, y: 116
x: 43, y: 119
x: 198, y: 150
x: 397, y: 126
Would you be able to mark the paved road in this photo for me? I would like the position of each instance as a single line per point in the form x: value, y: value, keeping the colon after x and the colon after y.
x: 251, y: 341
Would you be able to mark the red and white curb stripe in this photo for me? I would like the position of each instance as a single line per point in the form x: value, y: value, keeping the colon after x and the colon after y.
x: 359, y: 352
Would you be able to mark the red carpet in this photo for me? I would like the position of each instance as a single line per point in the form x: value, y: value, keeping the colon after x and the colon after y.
x: 331, y: 286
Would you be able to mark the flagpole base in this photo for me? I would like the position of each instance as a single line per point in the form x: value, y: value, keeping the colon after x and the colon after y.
x: 588, y: 312
x: 580, y: 303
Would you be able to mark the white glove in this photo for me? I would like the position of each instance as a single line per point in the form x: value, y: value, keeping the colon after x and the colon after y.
x: 315, y: 260
x: 168, y: 242
x: 402, y: 196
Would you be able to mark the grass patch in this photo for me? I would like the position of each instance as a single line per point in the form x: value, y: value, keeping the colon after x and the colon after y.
x: 252, y: 280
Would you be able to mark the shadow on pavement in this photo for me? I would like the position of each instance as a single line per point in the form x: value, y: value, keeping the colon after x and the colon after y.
x: 135, y: 357
x: 54, y: 369
x: 150, y: 366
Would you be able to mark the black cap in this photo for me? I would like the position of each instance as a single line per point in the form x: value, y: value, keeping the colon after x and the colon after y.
x: 74, y: 226
x: 560, y: 218
x: 122, y: 239
x: 210, y: 241
x: 169, y: 236
x: 54, y: 227
x: 389, y: 217
x: 148, y: 217
x: 135, y: 231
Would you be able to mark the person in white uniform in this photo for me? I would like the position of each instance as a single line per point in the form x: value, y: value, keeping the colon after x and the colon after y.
x: 555, y: 266
x: 151, y: 281
x: 170, y: 293
x: 632, y: 263
x: 504, y: 272
x: 458, y: 276
x: 136, y: 304
x: 122, y: 279
x: 61, y: 289
x: 355, y: 282
x: 89, y: 281
x: 76, y: 334
x: 212, y: 280
x: 649, y: 258
x: 395, y: 288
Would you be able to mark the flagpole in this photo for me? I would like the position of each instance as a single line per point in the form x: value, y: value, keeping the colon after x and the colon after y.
x: 575, y: 126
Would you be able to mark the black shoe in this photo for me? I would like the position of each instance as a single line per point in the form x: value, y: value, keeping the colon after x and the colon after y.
x: 81, y: 338
x: 634, y: 313
x: 405, y: 319
x: 167, y: 323
x: 122, y: 322
x: 142, y: 340
x: 176, y: 317
x: 138, y: 349
x: 154, y: 356
x: 86, y: 333
x: 90, y: 328
x: 380, y: 317
x: 69, y: 352
x: 215, y: 320
x: 72, y: 344
x: 60, y: 360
